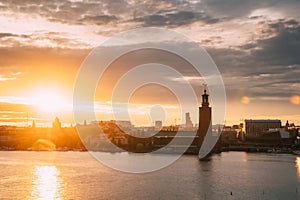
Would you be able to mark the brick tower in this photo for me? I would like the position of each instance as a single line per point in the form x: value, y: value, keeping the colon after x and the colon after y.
x: 204, y: 118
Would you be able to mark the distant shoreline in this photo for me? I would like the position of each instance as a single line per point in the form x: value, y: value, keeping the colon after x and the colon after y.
x: 265, y: 152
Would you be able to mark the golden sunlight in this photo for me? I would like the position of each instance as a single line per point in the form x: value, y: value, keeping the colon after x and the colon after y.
x: 47, y: 183
x: 298, y: 165
x: 49, y: 100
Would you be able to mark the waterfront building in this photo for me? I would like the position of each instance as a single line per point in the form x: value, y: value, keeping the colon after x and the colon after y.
x: 257, y: 127
x: 229, y: 133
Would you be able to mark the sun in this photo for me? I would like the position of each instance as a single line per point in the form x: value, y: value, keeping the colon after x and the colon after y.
x: 49, y: 100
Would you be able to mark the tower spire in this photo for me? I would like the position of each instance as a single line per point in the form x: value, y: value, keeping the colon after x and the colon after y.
x: 204, y: 119
x: 205, y: 102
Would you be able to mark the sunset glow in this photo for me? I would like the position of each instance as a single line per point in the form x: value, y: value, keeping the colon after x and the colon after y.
x: 47, y: 183
x: 151, y: 99
x: 49, y: 100
x: 298, y: 166
x: 43, y: 45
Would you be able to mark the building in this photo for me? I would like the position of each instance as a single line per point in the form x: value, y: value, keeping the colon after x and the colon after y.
x: 158, y: 125
x: 123, y: 124
x: 229, y: 133
x: 56, y: 123
x: 7, y: 133
x: 204, y: 118
x: 257, y: 127
x: 188, y: 121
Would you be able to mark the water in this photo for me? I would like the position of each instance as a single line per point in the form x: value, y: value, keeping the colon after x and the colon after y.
x: 76, y: 175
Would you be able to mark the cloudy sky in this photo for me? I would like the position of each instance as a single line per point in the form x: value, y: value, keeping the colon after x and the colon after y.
x: 255, y: 44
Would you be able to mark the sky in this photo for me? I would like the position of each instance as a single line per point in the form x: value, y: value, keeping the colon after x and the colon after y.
x: 255, y: 44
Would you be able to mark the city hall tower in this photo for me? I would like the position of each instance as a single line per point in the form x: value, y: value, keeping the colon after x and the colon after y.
x: 204, y: 118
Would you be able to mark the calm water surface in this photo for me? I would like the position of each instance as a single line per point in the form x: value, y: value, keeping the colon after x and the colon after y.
x: 76, y: 175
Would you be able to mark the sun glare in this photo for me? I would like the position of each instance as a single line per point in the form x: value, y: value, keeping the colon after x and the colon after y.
x: 298, y: 165
x: 49, y: 100
x: 46, y: 184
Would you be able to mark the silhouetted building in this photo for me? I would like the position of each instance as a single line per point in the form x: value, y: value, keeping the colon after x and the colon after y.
x: 33, y: 124
x: 188, y: 121
x: 287, y: 125
x: 158, y: 125
x: 229, y: 133
x: 256, y: 127
x: 204, y: 118
x: 56, y: 123
x: 123, y: 124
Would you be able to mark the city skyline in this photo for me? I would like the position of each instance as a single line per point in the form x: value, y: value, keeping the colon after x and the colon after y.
x: 254, y: 44
x: 152, y: 99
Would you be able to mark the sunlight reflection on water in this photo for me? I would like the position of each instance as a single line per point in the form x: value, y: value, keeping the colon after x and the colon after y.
x: 298, y: 165
x: 76, y: 175
x: 46, y: 183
